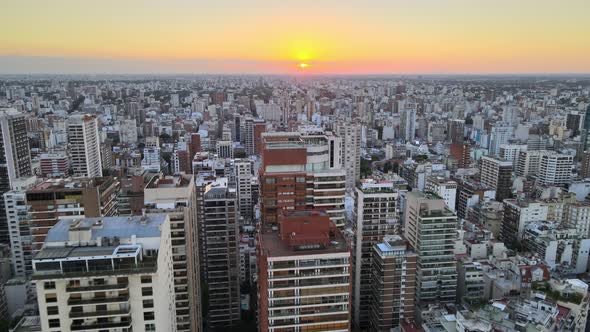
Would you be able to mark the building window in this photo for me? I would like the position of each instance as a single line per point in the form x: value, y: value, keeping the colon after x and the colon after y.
x: 53, y: 310
x: 49, y: 285
x: 54, y: 323
x: 50, y: 298
x: 150, y: 327
x: 148, y: 304
x: 146, y: 279
x: 148, y: 315
x: 147, y: 291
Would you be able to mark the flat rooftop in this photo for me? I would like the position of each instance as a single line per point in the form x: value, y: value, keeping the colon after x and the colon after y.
x: 271, y: 242
x: 110, y: 227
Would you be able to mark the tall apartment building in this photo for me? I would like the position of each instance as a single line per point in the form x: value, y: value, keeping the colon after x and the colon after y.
x: 577, y: 215
x: 456, y: 131
x: 444, y: 188
x: 84, y: 145
x: 556, y: 169
x: 430, y: 228
x: 462, y: 153
x: 225, y: 149
x: 375, y: 216
x: 517, y: 215
x: 106, y: 274
x: 15, y: 159
x: 217, y: 217
x: 244, y: 178
x: 408, y: 125
x: 585, y: 169
x: 248, y: 135
x: 258, y: 128
x: 393, y: 287
x: 529, y: 163
x: 511, y: 152
x: 497, y: 174
x: 351, y: 151
x: 54, y: 165
x: 499, y: 134
x: 304, y: 275
x: 176, y: 196
x: 302, y: 171
x: 72, y: 198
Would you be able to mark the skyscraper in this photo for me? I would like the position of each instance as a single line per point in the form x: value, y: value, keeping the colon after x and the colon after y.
x: 15, y: 159
x: 217, y: 213
x: 393, y: 286
x: 375, y: 215
x: 176, y: 196
x: 84, y: 145
x: 106, y: 274
x: 408, y: 124
x: 304, y: 275
x: 430, y: 228
x: 351, y: 151
x: 497, y: 174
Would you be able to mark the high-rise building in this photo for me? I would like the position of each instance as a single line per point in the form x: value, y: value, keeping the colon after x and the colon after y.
x: 573, y: 122
x: 84, y: 145
x: 585, y: 170
x: 444, y: 188
x: 587, y: 128
x: 393, y: 286
x: 217, y: 217
x: 351, y: 151
x: 375, y: 216
x: 302, y: 171
x: 456, y: 131
x: 106, y: 274
x: 176, y: 196
x: 430, y: 228
x: 408, y: 125
x: 304, y: 275
x: 248, y: 135
x: 244, y: 180
x: 54, y: 165
x: 497, y: 174
x: 462, y: 153
x: 529, y: 163
x: 72, y: 198
x: 258, y: 128
x: 225, y: 149
x: 500, y: 134
x: 517, y: 215
x: 556, y: 169
x: 15, y: 159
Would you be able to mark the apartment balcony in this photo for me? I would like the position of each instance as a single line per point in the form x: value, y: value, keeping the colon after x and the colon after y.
x: 92, y: 288
x: 101, y: 325
x: 100, y: 313
x: 99, y: 300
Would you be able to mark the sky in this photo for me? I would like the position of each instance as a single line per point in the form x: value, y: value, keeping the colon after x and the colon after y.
x: 276, y: 37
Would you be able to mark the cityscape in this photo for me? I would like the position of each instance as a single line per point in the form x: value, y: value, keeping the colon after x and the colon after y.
x: 294, y: 167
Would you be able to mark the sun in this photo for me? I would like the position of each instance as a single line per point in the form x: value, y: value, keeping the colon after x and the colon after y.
x: 303, y: 65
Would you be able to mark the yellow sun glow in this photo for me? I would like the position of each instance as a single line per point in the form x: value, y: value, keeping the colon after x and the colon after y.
x: 303, y: 65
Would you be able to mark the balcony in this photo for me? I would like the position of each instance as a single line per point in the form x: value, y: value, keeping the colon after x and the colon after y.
x: 99, y: 300
x: 99, y: 313
x: 101, y: 326
x: 92, y: 288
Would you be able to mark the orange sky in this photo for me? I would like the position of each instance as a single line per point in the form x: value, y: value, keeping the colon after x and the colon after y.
x: 264, y: 36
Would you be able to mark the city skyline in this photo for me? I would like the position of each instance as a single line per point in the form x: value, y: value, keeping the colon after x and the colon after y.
x: 260, y: 37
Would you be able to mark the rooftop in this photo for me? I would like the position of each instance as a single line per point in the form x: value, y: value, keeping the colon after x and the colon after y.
x: 110, y: 227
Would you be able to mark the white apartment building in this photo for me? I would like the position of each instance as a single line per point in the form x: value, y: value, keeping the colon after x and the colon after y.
x: 556, y: 169
x: 112, y: 274
x: 446, y: 189
x: 351, y: 151
x: 84, y: 145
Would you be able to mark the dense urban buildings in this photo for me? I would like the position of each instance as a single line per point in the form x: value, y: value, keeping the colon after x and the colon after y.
x: 222, y: 203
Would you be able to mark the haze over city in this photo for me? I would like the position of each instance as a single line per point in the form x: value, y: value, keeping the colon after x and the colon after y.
x: 270, y: 37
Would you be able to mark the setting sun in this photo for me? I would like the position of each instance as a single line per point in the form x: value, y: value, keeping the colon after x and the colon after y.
x: 303, y: 65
